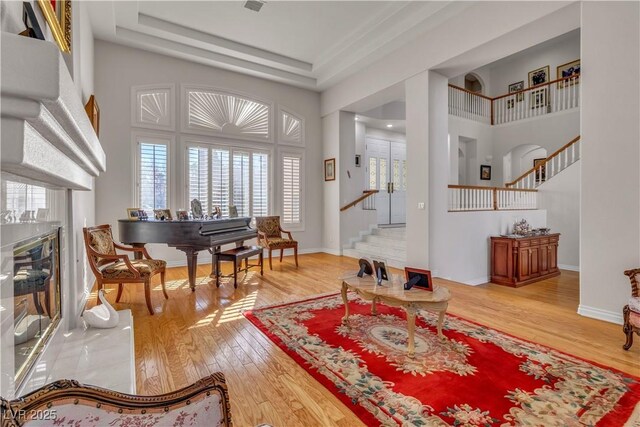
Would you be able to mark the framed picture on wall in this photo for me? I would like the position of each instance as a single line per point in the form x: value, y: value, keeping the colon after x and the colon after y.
x: 516, y: 87
x: 569, y: 71
x: 485, y: 172
x: 330, y: 169
x: 539, y: 76
x: 539, y: 165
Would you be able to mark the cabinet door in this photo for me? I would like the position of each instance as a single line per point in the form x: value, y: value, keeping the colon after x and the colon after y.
x: 553, y: 258
x: 534, y: 261
x: 524, y: 264
x: 501, y: 260
x: 544, y: 258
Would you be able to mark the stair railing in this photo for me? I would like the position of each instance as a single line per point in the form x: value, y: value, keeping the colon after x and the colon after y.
x: 557, y: 95
x: 562, y: 158
x: 465, y: 198
x: 368, y: 201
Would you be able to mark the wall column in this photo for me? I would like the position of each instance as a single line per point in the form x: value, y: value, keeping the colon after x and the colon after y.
x: 610, y: 178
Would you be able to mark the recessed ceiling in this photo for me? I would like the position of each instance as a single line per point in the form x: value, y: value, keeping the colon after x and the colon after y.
x: 311, y: 44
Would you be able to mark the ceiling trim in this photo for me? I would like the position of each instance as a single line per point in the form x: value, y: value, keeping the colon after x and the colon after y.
x: 212, y: 41
x: 184, y: 51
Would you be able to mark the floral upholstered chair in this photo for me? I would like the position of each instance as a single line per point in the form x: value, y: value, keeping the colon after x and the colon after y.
x: 68, y: 403
x: 270, y: 237
x: 631, y: 311
x: 110, y: 267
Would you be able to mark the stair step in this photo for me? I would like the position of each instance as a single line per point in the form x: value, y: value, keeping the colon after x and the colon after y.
x: 391, y: 242
x: 400, y: 232
x: 382, y: 251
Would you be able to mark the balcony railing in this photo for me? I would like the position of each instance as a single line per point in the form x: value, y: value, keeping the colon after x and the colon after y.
x: 557, y: 95
x: 472, y: 198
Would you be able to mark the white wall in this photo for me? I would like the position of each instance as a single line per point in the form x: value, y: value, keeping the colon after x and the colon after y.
x: 331, y: 189
x: 118, y: 68
x: 385, y: 135
x: 610, y: 202
x: 483, y: 135
x: 560, y: 197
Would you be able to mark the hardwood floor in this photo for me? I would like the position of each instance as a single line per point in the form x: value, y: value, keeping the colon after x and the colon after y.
x: 194, y: 334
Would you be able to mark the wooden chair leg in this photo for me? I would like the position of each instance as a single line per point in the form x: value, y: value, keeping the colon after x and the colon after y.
x: 261, y: 264
x: 627, y: 328
x: 281, y: 253
x: 627, y: 345
x: 120, y: 287
x: 36, y: 302
x: 147, y: 295
x: 270, y: 265
x: 295, y: 254
x: 164, y: 289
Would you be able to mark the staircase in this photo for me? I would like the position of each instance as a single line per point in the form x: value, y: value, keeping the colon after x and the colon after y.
x: 388, y: 244
x: 552, y: 165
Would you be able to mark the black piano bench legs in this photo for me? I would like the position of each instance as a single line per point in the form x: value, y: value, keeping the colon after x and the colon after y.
x: 236, y: 256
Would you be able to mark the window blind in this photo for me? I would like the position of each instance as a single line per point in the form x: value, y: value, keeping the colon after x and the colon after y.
x: 152, y: 176
x: 220, y: 179
x: 291, y: 190
x: 241, y: 182
x: 198, y: 170
x: 260, y: 199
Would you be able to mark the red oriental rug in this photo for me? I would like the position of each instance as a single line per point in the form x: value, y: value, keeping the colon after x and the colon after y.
x: 477, y: 377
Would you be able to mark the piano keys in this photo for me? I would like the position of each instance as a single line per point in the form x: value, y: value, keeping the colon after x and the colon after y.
x: 189, y: 236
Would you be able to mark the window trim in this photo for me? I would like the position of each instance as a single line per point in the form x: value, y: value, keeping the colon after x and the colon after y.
x: 282, y: 138
x: 153, y: 138
x: 219, y: 143
x: 171, y: 89
x: 184, y: 114
x: 300, y: 153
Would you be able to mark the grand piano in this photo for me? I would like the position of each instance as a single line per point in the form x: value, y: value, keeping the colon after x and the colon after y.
x: 189, y: 236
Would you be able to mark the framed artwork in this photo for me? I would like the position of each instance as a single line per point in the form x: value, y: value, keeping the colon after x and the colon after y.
x: 330, y: 169
x: 182, y: 215
x: 539, y: 76
x: 217, y: 212
x: 365, y: 267
x: 540, y: 166
x: 485, y: 172
x: 162, y: 214
x: 515, y: 87
x: 420, y: 279
x: 567, y: 71
x: 133, y: 214
x: 380, y: 269
x: 93, y: 111
x: 58, y: 16
x: 233, y: 211
x: 196, y: 208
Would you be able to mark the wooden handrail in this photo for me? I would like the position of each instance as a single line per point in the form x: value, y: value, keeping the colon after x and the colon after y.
x: 518, y: 92
x: 477, y: 187
x: 547, y: 160
x: 470, y: 92
x: 575, y: 76
x: 365, y: 194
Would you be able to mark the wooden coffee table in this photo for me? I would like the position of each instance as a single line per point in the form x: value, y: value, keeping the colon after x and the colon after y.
x: 393, y: 294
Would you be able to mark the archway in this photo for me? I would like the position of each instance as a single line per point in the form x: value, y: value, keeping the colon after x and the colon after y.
x: 473, y: 83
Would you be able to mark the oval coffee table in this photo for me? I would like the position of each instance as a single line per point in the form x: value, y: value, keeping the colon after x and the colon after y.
x: 393, y: 294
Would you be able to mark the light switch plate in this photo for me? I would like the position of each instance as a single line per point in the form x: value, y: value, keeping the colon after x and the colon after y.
x: 420, y: 205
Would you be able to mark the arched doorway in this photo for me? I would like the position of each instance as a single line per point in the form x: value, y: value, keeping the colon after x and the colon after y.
x: 473, y: 83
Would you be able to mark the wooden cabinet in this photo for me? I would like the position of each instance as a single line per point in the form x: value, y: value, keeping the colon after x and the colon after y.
x: 520, y: 261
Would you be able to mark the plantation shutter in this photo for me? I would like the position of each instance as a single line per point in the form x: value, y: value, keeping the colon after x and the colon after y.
x: 260, y: 200
x: 220, y: 179
x: 198, y: 185
x: 153, y: 176
x: 241, y: 182
x: 21, y: 197
x: 291, y: 189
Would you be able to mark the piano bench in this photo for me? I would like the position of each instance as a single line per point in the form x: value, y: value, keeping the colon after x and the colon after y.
x: 237, y: 255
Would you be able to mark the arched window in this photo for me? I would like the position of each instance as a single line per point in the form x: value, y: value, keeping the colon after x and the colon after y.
x: 153, y: 107
x: 473, y: 83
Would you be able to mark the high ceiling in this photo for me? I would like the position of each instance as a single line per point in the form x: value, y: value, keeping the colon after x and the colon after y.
x: 310, y: 44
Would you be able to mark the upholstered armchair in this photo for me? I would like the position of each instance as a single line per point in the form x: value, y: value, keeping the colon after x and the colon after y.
x: 111, y: 267
x: 631, y: 311
x: 69, y: 403
x: 270, y: 237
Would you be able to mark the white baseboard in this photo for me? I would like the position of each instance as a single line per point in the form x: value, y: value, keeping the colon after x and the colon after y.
x: 569, y: 267
x: 477, y: 281
x: 597, y: 313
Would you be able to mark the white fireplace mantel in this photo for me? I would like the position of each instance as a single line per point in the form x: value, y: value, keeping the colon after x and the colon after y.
x: 46, y: 134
